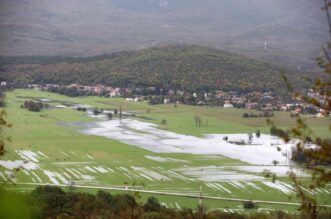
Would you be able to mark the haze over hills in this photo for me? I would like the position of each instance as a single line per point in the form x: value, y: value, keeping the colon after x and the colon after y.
x: 285, y: 32
x: 184, y: 67
x: 165, y: 109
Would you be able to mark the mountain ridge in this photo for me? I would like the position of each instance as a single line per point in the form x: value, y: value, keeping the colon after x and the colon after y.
x: 89, y: 28
x: 185, y: 67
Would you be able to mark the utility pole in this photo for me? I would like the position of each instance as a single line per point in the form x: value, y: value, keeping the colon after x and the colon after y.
x: 200, y: 196
x: 71, y: 185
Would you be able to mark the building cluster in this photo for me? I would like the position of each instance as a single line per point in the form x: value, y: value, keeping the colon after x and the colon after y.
x: 261, y: 101
x: 270, y: 101
x: 96, y: 90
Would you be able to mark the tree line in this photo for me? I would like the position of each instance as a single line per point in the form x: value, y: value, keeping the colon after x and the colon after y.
x: 265, y: 114
x: 48, y: 202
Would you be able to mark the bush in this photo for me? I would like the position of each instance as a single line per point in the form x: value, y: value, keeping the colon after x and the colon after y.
x: 96, y: 111
x: 249, y: 205
x: 258, y: 133
x: 152, y: 204
x: 34, y: 106
x: 82, y: 109
x: 109, y: 116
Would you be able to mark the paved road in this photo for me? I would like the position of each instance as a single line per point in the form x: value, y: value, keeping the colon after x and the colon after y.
x: 170, y: 194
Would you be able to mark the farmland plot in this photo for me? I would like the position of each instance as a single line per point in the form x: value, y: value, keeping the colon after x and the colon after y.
x: 65, y: 146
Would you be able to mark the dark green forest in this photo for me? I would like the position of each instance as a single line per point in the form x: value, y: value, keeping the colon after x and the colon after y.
x: 181, y: 67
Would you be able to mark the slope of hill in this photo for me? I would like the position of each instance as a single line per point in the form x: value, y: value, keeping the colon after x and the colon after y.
x: 85, y: 28
x: 175, y: 66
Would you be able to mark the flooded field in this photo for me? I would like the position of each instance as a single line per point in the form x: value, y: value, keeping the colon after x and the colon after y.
x: 259, y: 150
x: 63, y: 145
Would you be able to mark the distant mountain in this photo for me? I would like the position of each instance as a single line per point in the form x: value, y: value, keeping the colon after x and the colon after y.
x: 293, y: 30
x: 182, y: 67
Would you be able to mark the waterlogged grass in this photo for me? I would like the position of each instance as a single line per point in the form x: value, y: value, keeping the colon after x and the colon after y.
x: 49, y: 133
x: 181, y: 118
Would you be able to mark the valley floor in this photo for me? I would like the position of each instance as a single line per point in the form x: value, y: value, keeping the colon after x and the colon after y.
x: 64, y: 146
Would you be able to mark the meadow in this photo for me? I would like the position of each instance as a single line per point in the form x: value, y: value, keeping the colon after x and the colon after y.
x: 51, y: 140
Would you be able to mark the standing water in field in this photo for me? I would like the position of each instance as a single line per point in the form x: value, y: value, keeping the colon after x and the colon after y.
x: 262, y: 151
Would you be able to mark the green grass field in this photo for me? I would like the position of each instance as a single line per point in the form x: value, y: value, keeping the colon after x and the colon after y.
x: 113, y: 163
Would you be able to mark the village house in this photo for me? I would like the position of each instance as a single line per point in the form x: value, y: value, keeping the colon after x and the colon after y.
x: 283, y: 107
x: 34, y: 86
x: 166, y: 100
x: 98, y: 89
x: 228, y: 104
x: 73, y: 86
x: 171, y: 92
x: 139, y: 99
x: 52, y: 85
x: 129, y: 99
x: 268, y: 107
x: 115, y: 92
x: 250, y: 105
x: 126, y: 91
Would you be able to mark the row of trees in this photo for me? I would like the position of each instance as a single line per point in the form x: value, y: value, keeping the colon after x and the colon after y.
x: 53, y: 202
x: 199, y: 121
x: 109, y: 115
x: 265, y: 114
x: 71, y: 92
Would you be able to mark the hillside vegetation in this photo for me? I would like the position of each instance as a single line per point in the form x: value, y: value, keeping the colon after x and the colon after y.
x: 294, y: 30
x: 184, y: 67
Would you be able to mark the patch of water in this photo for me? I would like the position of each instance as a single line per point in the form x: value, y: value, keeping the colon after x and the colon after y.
x: 261, y: 151
x: 18, y: 164
x: 166, y: 159
x: 217, y: 174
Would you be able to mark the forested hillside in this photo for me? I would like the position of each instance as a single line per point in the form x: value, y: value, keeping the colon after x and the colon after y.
x: 293, y: 30
x: 184, y: 67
